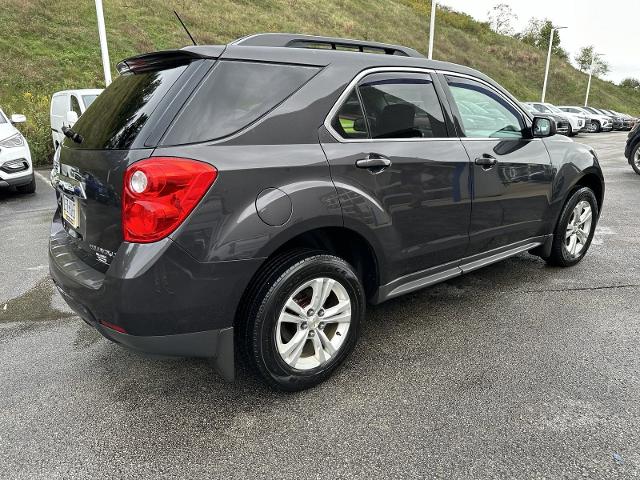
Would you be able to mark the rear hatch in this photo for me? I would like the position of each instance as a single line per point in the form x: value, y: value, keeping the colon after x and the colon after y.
x: 123, y: 125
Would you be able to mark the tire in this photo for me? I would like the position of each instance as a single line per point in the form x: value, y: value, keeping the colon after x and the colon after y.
x: 598, y: 127
x: 635, y: 159
x: 265, y: 333
x: 570, y: 131
x: 563, y: 253
x: 29, y: 187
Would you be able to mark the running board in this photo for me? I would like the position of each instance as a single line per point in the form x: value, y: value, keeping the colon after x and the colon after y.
x: 426, y: 278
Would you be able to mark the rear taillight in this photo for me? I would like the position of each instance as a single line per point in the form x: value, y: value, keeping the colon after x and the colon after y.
x: 159, y: 193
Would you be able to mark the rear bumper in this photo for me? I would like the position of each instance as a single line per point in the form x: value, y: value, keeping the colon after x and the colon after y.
x: 154, y: 298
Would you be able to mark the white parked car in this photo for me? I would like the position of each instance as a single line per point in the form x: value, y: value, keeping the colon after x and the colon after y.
x: 578, y: 122
x: 16, y: 169
x: 66, y: 108
x: 599, y: 122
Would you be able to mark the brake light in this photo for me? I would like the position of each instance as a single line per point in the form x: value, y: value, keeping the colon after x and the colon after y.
x: 159, y: 193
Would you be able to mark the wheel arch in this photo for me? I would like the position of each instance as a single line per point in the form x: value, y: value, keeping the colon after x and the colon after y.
x: 341, y: 241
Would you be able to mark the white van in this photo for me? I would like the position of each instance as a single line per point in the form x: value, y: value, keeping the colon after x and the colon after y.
x: 66, y: 107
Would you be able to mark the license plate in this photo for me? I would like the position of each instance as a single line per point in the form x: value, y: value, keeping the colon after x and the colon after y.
x: 70, y: 210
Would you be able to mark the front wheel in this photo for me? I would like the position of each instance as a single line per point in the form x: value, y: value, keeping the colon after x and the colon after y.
x: 302, y: 318
x: 595, y: 127
x: 635, y: 159
x: 575, y: 229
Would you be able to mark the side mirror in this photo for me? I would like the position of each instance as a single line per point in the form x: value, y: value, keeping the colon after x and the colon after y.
x: 71, y: 118
x: 17, y: 118
x: 543, y: 127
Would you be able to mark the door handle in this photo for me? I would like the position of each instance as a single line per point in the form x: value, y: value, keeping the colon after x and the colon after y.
x: 486, y: 161
x: 374, y: 162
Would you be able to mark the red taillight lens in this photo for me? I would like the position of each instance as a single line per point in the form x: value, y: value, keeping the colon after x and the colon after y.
x: 159, y: 193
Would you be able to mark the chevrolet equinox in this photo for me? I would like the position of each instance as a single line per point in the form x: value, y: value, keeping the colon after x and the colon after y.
x: 251, y: 199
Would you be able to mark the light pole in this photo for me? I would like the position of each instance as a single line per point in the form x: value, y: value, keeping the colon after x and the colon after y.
x: 102, y: 33
x: 546, y: 70
x: 594, y: 56
x: 432, y: 26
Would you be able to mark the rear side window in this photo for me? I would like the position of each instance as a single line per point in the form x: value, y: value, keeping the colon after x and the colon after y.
x: 117, y: 116
x: 75, y: 105
x: 233, y: 95
x: 60, y: 105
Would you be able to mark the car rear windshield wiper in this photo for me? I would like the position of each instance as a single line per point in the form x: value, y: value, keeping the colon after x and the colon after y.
x: 76, y: 137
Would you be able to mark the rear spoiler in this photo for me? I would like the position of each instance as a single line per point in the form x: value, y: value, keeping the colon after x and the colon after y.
x: 164, y: 59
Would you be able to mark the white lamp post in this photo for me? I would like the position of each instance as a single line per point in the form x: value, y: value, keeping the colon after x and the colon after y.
x: 432, y: 26
x: 594, y: 56
x: 102, y: 32
x: 546, y: 70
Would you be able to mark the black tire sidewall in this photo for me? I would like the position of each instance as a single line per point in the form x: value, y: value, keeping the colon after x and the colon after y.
x: 269, y: 361
x: 560, y: 255
x: 632, y: 161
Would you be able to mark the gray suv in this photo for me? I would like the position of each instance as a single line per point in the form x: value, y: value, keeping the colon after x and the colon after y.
x: 249, y: 200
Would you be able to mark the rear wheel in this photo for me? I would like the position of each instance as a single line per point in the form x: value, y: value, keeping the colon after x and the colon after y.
x: 635, y: 159
x: 575, y: 229
x: 29, y: 187
x: 302, y: 318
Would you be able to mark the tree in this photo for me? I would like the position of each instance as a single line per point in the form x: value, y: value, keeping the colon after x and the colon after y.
x: 583, y: 60
x: 501, y: 19
x: 537, y: 34
x: 631, y: 83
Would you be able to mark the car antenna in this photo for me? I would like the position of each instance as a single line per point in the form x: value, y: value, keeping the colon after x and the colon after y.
x: 185, y: 28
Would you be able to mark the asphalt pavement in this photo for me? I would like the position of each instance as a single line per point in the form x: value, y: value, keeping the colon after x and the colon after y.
x: 518, y: 370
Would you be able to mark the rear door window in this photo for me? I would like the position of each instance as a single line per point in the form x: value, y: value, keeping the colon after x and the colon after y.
x: 75, y: 105
x: 234, y: 95
x: 402, y: 105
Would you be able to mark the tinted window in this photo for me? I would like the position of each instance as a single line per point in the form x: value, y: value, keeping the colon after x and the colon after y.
x: 485, y: 113
x: 88, y: 100
x: 2, y: 118
x: 75, y: 105
x: 60, y: 105
x: 233, y: 95
x: 541, y: 108
x: 349, y: 122
x: 402, y: 105
x: 116, y: 117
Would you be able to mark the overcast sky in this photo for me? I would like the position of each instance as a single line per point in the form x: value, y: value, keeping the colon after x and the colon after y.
x: 610, y: 25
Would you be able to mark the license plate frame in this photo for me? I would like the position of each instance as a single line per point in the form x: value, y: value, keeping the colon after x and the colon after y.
x: 71, y: 210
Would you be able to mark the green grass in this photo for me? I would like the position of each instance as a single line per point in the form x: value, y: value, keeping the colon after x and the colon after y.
x: 46, y: 46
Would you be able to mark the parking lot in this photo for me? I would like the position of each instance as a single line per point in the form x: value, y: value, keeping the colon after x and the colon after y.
x: 518, y: 370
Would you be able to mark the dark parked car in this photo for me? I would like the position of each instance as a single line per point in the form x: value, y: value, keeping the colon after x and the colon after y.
x: 254, y: 197
x: 632, y: 150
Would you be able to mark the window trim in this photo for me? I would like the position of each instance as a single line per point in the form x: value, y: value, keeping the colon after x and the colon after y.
x: 526, y: 117
x: 353, y: 84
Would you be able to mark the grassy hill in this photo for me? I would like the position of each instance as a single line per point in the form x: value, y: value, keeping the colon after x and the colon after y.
x: 46, y: 46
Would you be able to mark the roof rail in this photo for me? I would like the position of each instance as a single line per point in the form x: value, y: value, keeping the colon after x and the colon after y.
x: 325, y: 43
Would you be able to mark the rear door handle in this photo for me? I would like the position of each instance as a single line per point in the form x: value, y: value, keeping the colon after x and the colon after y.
x: 374, y: 162
x: 486, y: 161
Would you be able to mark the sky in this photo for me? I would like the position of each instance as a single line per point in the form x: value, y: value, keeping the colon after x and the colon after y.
x: 610, y: 25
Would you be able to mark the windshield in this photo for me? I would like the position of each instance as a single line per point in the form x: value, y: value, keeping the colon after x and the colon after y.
x: 3, y: 119
x: 554, y: 109
x: 88, y: 100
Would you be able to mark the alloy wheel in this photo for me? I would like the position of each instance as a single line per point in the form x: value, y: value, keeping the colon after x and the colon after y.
x: 313, y: 324
x: 578, y: 229
x: 636, y: 158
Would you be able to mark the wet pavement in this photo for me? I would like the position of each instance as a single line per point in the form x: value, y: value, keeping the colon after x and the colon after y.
x: 518, y: 370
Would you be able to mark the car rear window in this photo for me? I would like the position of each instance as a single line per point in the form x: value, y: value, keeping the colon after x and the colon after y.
x: 116, y: 117
x: 233, y: 95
